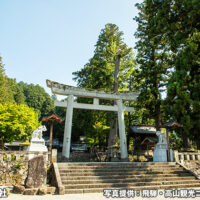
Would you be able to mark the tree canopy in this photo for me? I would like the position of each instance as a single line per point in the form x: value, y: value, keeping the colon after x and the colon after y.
x: 21, y: 106
x: 152, y: 56
x: 110, y: 69
x: 36, y: 97
x: 168, y: 54
x: 17, y: 122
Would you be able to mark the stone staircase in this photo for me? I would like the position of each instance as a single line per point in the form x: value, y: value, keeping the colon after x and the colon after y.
x: 94, y: 177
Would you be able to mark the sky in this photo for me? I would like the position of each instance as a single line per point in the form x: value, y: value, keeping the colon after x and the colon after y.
x: 50, y: 39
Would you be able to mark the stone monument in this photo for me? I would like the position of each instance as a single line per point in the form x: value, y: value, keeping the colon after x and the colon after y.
x: 37, y: 172
x: 160, y: 152
x: 37, y: 143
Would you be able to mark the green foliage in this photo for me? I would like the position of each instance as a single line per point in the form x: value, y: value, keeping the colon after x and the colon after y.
x: 9, y: 90
x: 98, y: 73
x: 37, y: 98
x: 17, y: 92
x: 99, y: 135
x: 152, y: 56
x: 182, y: 36
x: 17, y: 122
x: 5, y: 157
x: 168, y: 52
x: 19, y: 165
x: 13, y: 157
x: 58, y: 128
x: 5, y: 90
x: 176, y: 142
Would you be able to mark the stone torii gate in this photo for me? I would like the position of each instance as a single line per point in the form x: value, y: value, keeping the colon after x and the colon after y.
x: 70, y: 91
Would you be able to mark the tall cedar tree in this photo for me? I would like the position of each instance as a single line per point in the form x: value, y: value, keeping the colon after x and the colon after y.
x: 153, y: 60
x: 103, y: 69
x: 178, y: 21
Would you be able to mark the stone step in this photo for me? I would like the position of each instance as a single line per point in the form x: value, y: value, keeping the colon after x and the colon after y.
x: 106, y: 173
x: 148, y: 176
x: 119, y: 170
x: 118, y: 167
x: 100, y: 190
x: 127, y: 180
x: 118, y: 164
x: 94, y: 177
x: 125, y: 185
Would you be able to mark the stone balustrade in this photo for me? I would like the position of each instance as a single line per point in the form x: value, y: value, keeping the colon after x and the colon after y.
x: 186, y: 156
x: 21, y: 155
x: 190, y: 161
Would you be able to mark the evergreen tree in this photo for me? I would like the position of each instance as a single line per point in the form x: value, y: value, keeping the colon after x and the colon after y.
x: 182, y: 33
x: 105, y: 69
x: 16, y: 91
x: 5, y: 91
x: 37, y: 98
x: 153, y: 60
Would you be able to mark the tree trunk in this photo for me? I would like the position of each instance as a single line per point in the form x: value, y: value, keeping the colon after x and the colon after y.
x: 198, y: 143
x: 51, y: 137
x: 116, y: 74
x: 185, y: 140
x: 158, y: 116
x: 129, y: 129
x: 1, y: 144
x: 128, y: 140
x: 197, y: 138
x: 113, y: 134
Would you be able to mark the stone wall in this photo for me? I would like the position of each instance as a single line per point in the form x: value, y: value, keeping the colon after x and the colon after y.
x: 14, y: 166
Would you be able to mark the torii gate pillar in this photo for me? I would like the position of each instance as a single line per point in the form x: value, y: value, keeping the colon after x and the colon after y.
x: 68, y: 127
x: 122, y: 134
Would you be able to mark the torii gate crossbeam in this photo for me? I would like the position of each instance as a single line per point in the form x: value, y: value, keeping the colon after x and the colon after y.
x: 70, y: 91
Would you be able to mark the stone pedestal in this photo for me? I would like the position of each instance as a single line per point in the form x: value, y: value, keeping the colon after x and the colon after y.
x: 160, y: 152
x: 37, y: 143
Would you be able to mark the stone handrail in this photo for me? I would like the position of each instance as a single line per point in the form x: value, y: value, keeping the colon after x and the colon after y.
x: 56, y: 179
x: 186, y: 156
x: 189, y: 161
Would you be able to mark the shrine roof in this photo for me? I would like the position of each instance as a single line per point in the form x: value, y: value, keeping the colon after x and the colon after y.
x: 52, y: 118
x: 171, y: 124
x: 150, y: 140
x: 143, y: 129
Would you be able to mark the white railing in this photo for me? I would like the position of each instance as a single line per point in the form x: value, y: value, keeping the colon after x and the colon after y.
x: 186, y: 156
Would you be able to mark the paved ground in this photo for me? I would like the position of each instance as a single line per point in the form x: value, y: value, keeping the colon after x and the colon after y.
x: 81, y: 197
x: 94, y: 196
